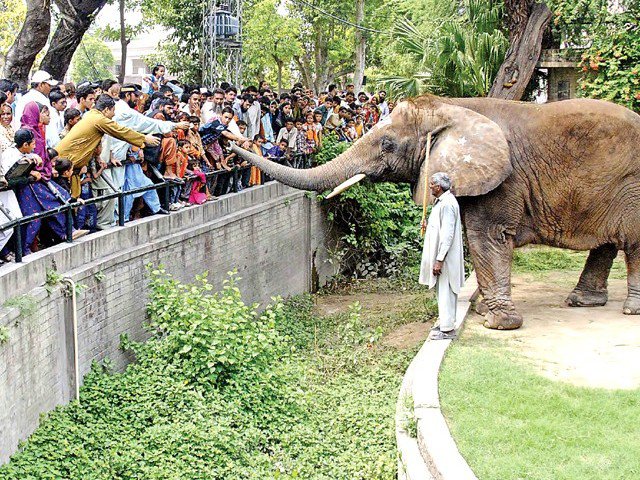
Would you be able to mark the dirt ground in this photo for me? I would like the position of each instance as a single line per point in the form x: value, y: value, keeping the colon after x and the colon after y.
x: 401, y: 306
x: 594, y: 347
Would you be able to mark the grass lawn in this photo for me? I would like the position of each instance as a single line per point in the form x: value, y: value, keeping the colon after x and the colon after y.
x: 511, y: 423
x: 537, y: 260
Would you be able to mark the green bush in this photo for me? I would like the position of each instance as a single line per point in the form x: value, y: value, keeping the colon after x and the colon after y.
x: 222, y: 392
x: 379, y: 224
x: 213, y: 337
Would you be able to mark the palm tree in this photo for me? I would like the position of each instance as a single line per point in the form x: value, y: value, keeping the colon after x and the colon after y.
x: 458, y: 57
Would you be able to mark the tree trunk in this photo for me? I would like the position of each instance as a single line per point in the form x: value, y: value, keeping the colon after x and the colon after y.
x: 280, y: 64
x: 30, y: 40
x: 527, y: 22
x: 124, y: 41
x: 304, y: 65
x: 321, y: 51
x: 76, y: 17
x: 361, y: 45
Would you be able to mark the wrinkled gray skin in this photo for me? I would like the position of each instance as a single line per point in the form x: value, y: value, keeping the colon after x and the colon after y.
x: 565, y: 174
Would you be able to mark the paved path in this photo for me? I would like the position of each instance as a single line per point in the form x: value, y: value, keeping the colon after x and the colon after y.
x: 595, y: 347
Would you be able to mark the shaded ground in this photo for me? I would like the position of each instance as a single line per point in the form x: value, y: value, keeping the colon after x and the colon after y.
x: 595, y: 347
x: 412, y: 311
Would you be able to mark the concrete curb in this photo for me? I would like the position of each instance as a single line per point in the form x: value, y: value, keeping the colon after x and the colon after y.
x: 433, y: 455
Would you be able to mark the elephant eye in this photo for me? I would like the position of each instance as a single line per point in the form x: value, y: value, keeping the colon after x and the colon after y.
x: 388, y: 145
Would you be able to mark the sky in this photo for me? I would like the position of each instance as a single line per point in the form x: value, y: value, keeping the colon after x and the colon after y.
x: 109, y: 15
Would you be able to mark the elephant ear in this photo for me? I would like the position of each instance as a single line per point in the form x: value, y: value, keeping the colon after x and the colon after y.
x: 470, y: 148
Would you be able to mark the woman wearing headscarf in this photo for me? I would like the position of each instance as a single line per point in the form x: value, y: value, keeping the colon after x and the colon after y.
x: 43, y: 194
x: 7, y: 197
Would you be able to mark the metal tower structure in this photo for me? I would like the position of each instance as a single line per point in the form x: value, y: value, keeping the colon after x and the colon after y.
x: 222, y: 41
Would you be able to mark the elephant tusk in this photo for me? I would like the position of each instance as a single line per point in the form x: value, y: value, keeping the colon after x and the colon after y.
x: 344, y: 185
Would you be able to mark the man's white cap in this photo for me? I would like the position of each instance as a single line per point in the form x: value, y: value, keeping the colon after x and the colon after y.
x: 42, y: 76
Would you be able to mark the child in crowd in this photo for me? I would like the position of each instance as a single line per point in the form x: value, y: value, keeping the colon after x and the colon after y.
x: 242, y: 126
x: 359, y: 126
x: 63, y: 170
x: 180, y: 193
x: 199, y: 191
x: 289, y: 133
x: 87, y: 215
x: 350, y: 131
x: 301, y: 139
x: 310, y: 134
x: 278, y: 152
x: 318, y: 124
x: 256, y: 175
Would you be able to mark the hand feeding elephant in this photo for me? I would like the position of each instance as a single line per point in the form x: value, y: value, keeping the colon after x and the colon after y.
x: 565, y: 174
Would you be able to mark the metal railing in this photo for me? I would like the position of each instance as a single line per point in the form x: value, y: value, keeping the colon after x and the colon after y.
x: 298, y: 160
x: 67, y: 208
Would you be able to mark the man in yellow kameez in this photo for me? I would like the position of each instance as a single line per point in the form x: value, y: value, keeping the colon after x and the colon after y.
x: 81, y: 141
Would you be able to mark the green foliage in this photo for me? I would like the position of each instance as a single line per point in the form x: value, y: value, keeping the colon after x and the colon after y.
x: 181, y: 52
x: 92, y: 59
x: 272, y: 42
x: 12, y: 13
x: 409, y: 421
x: 535, y: 428
x: 223, y: 392
x: 111, y: 33
x: 52, y: 277
x: 27, y: 304
x: 380, y: 224
x: 457, y: 54
x: 4, y: 334
x: 542, y: 259
x: 611, y: 62
x: 215, y: 337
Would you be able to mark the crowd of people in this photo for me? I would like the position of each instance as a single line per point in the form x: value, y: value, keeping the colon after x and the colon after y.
x: 62, y: 143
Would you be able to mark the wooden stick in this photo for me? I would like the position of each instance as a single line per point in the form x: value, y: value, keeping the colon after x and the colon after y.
x: 425, y: 198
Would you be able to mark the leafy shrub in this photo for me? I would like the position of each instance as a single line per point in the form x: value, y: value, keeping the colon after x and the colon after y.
x: 222, y: 392
x: 213, y: 337
x: 380, y: 224
x: 611, y: 33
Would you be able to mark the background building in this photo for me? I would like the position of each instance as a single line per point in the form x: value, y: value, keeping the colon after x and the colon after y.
x: 139, y: 48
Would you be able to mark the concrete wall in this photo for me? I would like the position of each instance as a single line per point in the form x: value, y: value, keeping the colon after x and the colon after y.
x: 273, y: 235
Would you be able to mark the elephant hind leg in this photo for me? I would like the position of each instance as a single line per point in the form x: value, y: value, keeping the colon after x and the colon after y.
x: 632, y: 304
x: 591, y: 290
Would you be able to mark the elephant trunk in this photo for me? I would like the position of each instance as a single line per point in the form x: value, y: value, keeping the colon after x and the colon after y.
x: 320, y: 178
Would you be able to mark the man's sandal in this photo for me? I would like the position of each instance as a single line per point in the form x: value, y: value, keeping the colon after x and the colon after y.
x: 440, y: 335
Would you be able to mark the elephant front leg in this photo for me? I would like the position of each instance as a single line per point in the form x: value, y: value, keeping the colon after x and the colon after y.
x: 591, y: 290
x: 632, y: 304
x: 492, y: 261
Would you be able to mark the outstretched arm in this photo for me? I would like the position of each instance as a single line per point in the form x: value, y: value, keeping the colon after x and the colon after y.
x: 109, y: 127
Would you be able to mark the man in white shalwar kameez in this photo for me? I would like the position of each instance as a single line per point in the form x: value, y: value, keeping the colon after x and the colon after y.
x: 131, y: 176
x: 442, y: 257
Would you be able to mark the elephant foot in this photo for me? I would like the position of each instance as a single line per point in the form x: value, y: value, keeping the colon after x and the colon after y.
x: 631, y: 306
x: 481, y: 307
x: 587, y: 298
x: 499, y: 320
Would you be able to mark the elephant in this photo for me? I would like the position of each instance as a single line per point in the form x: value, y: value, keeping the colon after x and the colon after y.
x: 564, y: 174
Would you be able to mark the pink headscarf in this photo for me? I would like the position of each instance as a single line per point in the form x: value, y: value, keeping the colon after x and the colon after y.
x: 31, y: 121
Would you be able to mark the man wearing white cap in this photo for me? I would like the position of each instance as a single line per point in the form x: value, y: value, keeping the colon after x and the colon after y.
x: 41, y: 83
